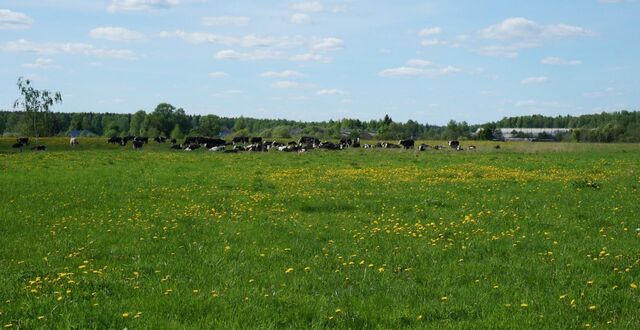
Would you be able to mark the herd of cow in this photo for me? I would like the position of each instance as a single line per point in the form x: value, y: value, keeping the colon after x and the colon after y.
x: 305, y: 143
x: 238, y: 144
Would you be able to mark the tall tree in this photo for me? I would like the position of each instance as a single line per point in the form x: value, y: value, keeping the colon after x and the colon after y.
x: 34, y: 102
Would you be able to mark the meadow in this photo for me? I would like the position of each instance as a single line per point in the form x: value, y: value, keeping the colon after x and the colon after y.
x: 531, y: 235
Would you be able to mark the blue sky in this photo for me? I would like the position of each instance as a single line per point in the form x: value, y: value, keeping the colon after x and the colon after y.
x: 430, y: 61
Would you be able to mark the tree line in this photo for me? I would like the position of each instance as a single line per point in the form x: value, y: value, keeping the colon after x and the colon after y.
x: 169, y: 121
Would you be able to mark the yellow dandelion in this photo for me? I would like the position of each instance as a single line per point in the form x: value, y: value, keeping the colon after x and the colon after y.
x: 338, y: 310
x: 125, y: 314
x: 563, y: 296
x: 633, y: 286
x: 444, y: 298
x: 41, y: 317
x: 381, y: 269
x: 289, y: 270
x: 419, y: 318
x: 523, y: 305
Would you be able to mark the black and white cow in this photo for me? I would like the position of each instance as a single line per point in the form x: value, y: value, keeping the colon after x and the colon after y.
x: 137, y: 144
x: 73, y: 142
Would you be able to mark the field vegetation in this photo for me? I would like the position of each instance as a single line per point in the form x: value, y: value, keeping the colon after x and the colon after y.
x: 528, y: 235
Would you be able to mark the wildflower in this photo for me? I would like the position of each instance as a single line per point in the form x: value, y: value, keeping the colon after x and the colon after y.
x: 289, y: 270
x: 444, y: 298
x: 523, y: 305
x: 338, y: 310
x: 41, y: 317
x: 419, y: 318
x: 125, y: 314
x: 592, y: 307
x: 633, y: 286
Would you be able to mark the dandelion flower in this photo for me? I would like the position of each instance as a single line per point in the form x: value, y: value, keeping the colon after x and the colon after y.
x: 289, y: 270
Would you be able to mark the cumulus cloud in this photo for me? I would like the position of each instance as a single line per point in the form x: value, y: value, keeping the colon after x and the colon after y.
x: 218, y: 74
x: 281, y: 74
x: 522, y: 28
x: 430, y: 31
x: 331, y: 92
x: 327, y: 44
x: 136, y: 5
x: 419, y: 72
x: 41, y: 63
x: 308, y: 57
x: 311, y: 6
x: 251, y: 40
x: 116, y: 34
x: 229, y: 54
x: 11, y: 20
x: 553, y: 60
x: 534, y: 80
x: 300, y: 18
x: 226, y: 21
x: 24, y: 46
x: 509, y: 51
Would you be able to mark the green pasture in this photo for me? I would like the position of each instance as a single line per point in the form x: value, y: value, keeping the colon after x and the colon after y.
x: 531, y: 235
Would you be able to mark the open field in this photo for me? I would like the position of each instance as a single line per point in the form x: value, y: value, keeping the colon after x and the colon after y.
x: 531, y: 235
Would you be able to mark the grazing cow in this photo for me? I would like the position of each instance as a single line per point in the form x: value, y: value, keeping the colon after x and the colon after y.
x: 73, y: 142
x: 18, y: 145
x: 115, y: 140
x: 39, y: 148
x: 423, y: 147
x: 212, y: 142
x: 367, y: 146
x: 356, y: 143
x: 142, y: 139
x: 346, y: 141
x: 438, y: 147
x: 454, y: 144
x: 23, y: 139
x: 176, y: 146
x: 407, y: 144
x: 472, y: 147
x: 217, y: 148
x: 308, y: 140
x: 137, y: 144
x: 459, y: 148
x: 497, y: 146
x: 123, y: 142
x: 255, y: 140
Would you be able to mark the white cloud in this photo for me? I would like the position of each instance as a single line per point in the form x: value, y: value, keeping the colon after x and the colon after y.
x: 135, y: 5
x: 229, y: 54
x: 430, y: 31
x: 311, y: 6
x: 419, y: 72
x: 286, y: 84
x: 433, y: 42
x: 226, y: 21
x: 522, y: 28
x: 418, y: 63
x: 308, y: 57
x: 24, y: 46
x: 534, y: 80
x: 41, y: 63
x: 116, y: 34
x: 509, y: 51
x: 247, y: 41
x: 553, y: 60
x: 327, y: 44
x: 218, y: 74
x: 11, y: 20
x: 331, y: 92
x: 300, y: 18
x: 281, y: 74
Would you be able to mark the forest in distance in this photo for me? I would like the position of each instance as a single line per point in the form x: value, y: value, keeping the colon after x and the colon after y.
x: 167, y: 120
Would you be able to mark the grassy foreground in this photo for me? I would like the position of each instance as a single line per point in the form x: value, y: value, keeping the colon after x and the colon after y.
x: 531, y: 235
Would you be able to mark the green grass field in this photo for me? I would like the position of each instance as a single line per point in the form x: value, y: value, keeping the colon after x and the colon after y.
x: 528, y: 236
